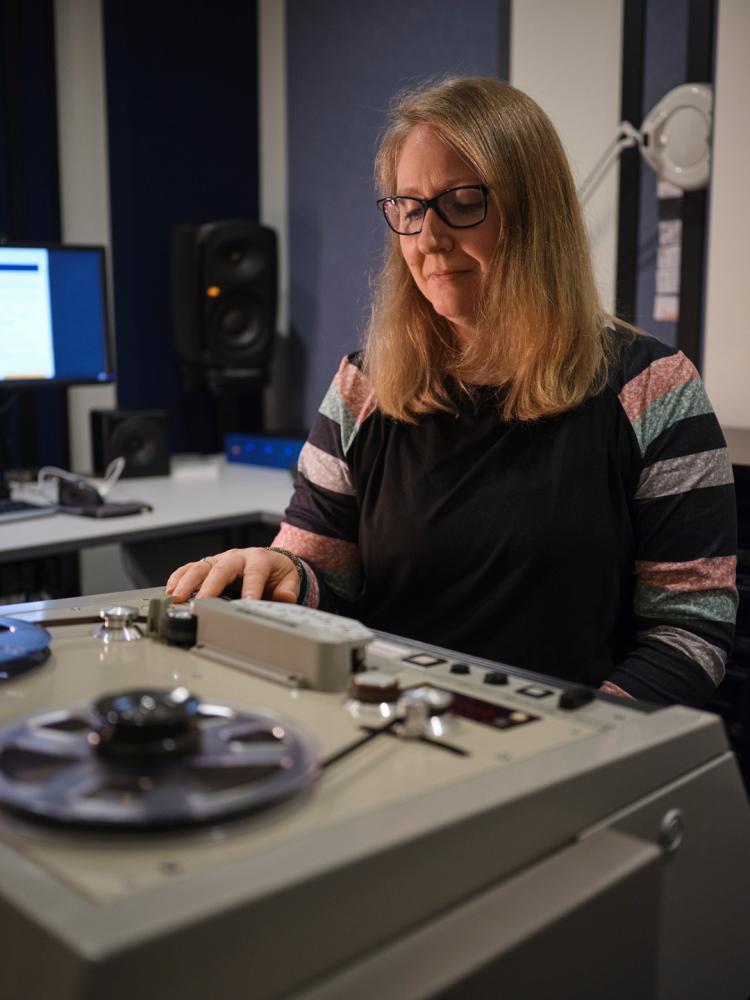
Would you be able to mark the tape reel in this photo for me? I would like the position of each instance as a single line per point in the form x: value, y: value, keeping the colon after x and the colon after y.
x: 22, y: 646
x: 187, y: 763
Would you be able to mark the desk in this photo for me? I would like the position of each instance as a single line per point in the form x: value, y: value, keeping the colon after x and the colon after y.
x: 201, y: 496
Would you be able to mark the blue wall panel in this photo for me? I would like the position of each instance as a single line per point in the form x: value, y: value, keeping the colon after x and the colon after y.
x: 33, y: 428
x: 345, y: 61
x: 183, y: 141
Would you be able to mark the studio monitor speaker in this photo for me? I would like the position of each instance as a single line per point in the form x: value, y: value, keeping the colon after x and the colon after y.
x: 139, y: 436
x: 224, y: 292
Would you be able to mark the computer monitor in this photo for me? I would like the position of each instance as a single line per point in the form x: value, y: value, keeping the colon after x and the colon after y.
x: 54, y: 327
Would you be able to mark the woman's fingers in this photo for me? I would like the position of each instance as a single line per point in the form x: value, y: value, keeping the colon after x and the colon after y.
x: 223, y: 570
x: 180, y: 580
x: 265, y: 574
x: 273, y: 577
x: 207, y: 577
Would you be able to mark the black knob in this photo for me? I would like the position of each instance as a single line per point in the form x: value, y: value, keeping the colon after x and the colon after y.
x: 180, y: 625
x: 576, y: 697
x: 496, y: 677
x: 152, y: 724
x: 374, y: 687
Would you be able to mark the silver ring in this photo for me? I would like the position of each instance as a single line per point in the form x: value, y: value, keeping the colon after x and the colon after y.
x: 206, y: 559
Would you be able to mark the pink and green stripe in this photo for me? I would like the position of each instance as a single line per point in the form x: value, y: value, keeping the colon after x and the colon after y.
x: 337, y: 560
x: 348, y: 402
x: 325, y: 470
x: 706, y: 605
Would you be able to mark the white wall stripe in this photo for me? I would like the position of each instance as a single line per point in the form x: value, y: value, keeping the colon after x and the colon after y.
x: 726, y: 349
x: 84, y: 204
x: 274, y: 174
x: 272, y: 138
x: 84, y: 172
x: 568, y: 57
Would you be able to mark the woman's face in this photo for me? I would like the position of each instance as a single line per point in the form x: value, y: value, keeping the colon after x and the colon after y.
x: 447, y: 264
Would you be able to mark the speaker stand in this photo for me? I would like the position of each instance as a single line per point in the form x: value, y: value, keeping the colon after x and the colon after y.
x: 239, y: 414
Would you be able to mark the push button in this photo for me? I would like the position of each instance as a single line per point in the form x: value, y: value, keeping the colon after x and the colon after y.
x: 460, y: 668
x: 535, y: 691
x: 576, y: 697
x: 423, y: 660
x: 496, y: 677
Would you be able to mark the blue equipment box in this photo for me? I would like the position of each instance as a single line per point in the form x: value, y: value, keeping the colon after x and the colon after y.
x: 263, y: 449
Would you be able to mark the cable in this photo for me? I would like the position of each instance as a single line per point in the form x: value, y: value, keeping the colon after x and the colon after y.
x: 111, y: 474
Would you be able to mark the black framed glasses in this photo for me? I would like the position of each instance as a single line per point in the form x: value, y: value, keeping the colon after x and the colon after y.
x: 458, y: 207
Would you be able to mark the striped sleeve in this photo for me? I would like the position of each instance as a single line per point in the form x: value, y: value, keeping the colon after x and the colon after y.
x: 684, y: 515
x: 321, y: 523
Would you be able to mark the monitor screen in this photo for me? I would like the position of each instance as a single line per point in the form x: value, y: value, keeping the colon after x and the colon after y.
x: 53, y: 316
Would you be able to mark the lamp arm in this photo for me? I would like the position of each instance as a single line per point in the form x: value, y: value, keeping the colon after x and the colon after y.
x: 627, y: 136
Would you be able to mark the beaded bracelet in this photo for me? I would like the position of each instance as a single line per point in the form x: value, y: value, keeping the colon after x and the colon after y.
x: 298, y: 566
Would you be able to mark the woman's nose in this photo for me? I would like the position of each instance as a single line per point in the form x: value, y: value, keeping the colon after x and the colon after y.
x: 435, y: 236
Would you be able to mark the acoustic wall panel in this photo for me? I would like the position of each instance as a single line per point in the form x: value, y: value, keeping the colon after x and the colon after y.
x: 183, y: 147
x: 345, y: 61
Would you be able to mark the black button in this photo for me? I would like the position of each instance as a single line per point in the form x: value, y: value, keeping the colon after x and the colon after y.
x: 496, y: 677
x: 535, y: 691
x: 460, y: 668
x: 576, y: 697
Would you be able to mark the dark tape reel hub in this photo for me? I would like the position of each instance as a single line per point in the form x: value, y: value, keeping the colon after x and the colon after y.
x: 143, y: 759
x: 147, y: 726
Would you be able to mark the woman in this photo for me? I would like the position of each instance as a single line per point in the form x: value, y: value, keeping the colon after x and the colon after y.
x: 504, y: 470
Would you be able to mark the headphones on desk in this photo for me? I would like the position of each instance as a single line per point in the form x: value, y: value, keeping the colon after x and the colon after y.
x: 66, y: 489
x: 74, y: 494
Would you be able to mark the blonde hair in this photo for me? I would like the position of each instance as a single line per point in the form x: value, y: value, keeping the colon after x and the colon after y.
x: 540, y: 332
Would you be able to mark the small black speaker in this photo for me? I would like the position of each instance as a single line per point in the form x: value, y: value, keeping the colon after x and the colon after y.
x: 224, y: 293
x: 139, y: 436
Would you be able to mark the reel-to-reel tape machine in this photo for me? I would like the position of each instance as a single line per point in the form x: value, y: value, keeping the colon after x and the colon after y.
x: 254, y: 800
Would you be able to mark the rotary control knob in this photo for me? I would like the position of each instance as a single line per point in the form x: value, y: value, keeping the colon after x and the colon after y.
x: 180, y: 625
x: 435, y: 700
x: 373, y: 687
x: 118, y: 624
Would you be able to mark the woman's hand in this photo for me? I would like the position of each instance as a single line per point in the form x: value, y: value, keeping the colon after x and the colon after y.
x: 265, y: 574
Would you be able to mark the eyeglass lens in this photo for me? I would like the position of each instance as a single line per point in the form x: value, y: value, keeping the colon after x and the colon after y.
x: 461, y: 207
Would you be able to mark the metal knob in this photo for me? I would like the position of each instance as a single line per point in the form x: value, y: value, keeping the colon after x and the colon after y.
x: 435, y: 700
x: 118, y: 624
x: 415, y: 720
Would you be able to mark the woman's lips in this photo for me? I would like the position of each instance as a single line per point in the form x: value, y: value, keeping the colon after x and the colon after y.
x: 445, y: 275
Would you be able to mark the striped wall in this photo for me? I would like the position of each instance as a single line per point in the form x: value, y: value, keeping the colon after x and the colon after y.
x: 297, y: 90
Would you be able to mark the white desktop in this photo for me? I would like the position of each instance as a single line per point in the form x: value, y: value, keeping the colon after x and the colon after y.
x: 201, y: 494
